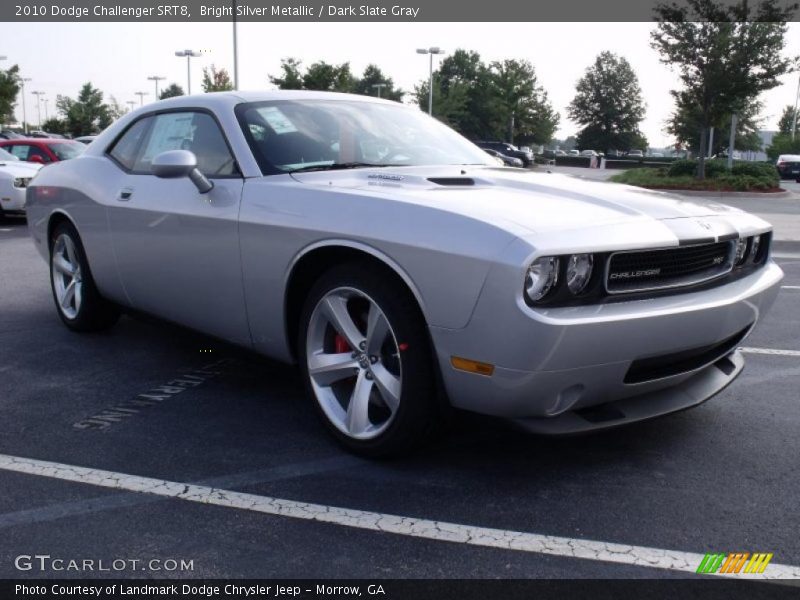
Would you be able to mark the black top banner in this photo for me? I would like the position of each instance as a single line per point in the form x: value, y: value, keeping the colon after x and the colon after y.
x: 342, y: 10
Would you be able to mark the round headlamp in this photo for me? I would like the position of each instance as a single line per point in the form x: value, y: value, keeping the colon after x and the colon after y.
x: 741, y: 250
x: 579, y: 272
x: 541, y: 277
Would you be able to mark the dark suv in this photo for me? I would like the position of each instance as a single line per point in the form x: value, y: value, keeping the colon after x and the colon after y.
x: 508, y: 150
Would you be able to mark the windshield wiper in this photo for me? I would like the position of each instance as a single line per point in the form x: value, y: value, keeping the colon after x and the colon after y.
x: 338, y: 166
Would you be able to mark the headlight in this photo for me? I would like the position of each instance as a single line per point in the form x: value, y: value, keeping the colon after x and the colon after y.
x: 21, y: 182
x: 542, y: 276
x: 741, y: 250
x: 756, y: 245
x: 579, y: 271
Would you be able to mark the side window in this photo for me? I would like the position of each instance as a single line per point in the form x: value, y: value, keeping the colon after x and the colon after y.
x: 194, y: 131
x: 124, y: 151
x: 20, y: 151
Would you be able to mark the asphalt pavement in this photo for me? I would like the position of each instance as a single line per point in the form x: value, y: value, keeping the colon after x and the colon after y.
x: 151, y: 400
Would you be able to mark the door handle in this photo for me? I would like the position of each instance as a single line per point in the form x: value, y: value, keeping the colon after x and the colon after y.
x: 125, y: 194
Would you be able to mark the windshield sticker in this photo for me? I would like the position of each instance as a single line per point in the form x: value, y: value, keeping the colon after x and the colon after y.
x: 279, y: 122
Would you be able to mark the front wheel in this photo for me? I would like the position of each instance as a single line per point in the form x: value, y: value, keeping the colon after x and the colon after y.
x: 367, y: 361
x: 79, y: 304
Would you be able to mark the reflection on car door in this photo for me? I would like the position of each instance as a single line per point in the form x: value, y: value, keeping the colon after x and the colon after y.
x: 177, y: 250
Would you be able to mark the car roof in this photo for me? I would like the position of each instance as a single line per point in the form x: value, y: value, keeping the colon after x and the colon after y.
x: 221, y: 100
x: 789, y: 157
x: 35, y: 141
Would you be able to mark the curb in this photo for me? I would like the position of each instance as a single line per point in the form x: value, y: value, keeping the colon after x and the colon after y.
x: 717, y: 194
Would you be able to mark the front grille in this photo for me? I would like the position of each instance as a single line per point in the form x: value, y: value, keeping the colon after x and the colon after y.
x: 646, y: 270
x: 667, y: 365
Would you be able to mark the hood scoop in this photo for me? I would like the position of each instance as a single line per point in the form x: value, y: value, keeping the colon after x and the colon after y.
x: 452, y: 181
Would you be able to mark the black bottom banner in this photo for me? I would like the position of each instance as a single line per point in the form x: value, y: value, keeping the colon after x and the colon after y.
x: 394, y: 589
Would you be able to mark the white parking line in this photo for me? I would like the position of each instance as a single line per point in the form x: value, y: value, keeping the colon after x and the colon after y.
x: 772, y: 351
x: 641, y: 556
x: 790, y: 287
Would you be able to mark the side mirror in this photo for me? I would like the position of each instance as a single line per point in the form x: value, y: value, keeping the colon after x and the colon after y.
x: 36, y: 159
x: 174, y: 164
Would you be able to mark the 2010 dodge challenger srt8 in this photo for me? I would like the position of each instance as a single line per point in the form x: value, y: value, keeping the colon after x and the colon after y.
x: 401, y: 267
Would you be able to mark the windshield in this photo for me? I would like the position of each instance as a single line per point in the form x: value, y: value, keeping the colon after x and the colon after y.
x: 287, y: 135
x: 7, y: 156
x: 65, y: 150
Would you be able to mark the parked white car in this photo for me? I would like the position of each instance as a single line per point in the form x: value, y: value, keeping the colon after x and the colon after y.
x: 14, y: 178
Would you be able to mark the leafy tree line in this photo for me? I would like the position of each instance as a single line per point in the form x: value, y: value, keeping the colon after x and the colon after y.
x: 502, y: 100
x: 323, y: 76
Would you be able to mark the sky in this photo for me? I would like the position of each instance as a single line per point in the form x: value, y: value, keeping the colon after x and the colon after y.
x: 118, y: 57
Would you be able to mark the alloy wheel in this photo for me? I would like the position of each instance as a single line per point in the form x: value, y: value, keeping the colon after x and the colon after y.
x: 67, y: 278
x: 353, y: 361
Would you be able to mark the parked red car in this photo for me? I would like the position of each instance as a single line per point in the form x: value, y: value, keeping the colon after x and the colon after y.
x: 43, y: 150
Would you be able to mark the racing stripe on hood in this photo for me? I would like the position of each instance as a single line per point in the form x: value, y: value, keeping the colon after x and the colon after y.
x: 701, y: 230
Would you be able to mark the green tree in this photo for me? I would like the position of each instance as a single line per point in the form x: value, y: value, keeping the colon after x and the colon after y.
x: 171, y: 91
x: 292, y: 79
x: 55, y: 125
x: 373, y: 75
x: 786, y: 120
x: 87, y: 114
x: 216, y: 80
x: 463, y: 95
x: 323, y: 76
x: 685, y: 124
x: 782, y: 143
x: 9, y: 88
x: 724, y: 54
x: 520, y: 103
x: 608, y: 104
x: 498, y: 101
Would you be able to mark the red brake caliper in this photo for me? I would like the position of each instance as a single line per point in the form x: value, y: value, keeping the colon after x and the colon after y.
x: 340, y: 344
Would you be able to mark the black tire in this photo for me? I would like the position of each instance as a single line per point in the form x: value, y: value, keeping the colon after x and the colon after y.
x: 418, y: 416
x: 94, y: 313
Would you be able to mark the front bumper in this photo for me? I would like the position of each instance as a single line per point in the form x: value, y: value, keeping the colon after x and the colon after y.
x: 551, y: 366
x: 12, y: 199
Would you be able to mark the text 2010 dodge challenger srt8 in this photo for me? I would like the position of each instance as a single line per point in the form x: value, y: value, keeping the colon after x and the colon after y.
x: 400, y: 266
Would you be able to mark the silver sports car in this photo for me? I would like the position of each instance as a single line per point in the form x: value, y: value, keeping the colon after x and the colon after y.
x: 400, y: 266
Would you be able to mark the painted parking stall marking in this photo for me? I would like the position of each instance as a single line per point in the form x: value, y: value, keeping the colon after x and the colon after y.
x: 642, y: 556
x: 124, y: 410
x: 770, y: 351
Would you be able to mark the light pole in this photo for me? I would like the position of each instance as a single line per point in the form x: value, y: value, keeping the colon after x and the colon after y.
x: 379, y: 87
x: 46, y: 116
x: 38, y: 95
x: 141, y: 97
x: 24, y: 113
x: 794, y: 117
x: 156, y: 79
x: 131, y: 104
x: 430, y: 51
x: 235, y: 49
x: 189, y: 54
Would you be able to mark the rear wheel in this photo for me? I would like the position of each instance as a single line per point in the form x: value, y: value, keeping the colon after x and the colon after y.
x: 79, y: 304
x: 367, y: 361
